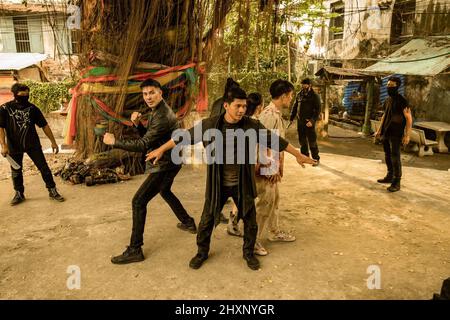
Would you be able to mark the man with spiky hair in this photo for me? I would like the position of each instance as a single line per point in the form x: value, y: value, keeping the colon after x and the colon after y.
x: 18, y: 120
x: 161, y: 123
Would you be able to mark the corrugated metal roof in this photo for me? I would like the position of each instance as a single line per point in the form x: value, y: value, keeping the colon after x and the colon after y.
x: 19, y: 61
x: 421, y: 57
x: 340, y: 72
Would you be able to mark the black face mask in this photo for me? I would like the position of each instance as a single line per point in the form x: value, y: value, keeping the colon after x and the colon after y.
x: 392, y: 91
x: 22, y: 99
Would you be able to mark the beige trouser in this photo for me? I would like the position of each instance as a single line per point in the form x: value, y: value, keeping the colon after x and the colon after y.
x: 266, y: 207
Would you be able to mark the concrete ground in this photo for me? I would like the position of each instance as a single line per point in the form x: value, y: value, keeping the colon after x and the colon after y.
x: 346, y: 225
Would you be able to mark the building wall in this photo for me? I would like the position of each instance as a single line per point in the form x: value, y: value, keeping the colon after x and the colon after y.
x: 429, y: 97
x: 367, y: 34
x: 7, y: 40
x: 55, y: 42
x: 367, y: 29
x: 43, y: 39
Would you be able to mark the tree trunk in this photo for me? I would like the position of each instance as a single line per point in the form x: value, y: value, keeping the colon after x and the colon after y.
x: 289, y: 58
x: 257, y: 35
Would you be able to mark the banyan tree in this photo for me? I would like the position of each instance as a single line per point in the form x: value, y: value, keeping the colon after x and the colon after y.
x: 122, y: 43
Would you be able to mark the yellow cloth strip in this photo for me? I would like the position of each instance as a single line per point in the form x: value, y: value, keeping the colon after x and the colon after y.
x: 88, y: 88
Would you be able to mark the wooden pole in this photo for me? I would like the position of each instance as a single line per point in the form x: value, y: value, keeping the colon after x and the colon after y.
x: 289, y: 58
x: 369, y: 103
x: 326, y: 111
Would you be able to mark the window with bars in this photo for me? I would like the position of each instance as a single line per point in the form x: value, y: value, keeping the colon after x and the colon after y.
x: 76, y: 43
x: 337, y: 23
x: 403, y: 19
x: 21, y: 34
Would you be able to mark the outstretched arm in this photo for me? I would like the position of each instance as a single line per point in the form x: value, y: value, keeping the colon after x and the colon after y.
x: 180, y: 137
x: 158, y: 153
x: 301, y: 159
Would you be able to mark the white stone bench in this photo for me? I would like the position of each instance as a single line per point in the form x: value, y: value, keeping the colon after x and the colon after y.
x: 425, y: 146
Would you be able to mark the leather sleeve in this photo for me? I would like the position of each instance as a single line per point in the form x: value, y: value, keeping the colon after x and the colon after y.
x: 141, y: 129
x: 316, y: 107
x: 156, y: 131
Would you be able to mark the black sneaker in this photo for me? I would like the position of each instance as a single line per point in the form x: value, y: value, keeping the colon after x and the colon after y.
x: 395, y: 186
x: 197, y: 261
x: 129, y: 256
x: 252, y: 262
x: 187, y: 227
x: 387, y: 179
x: 18, y: 198
x: 53, y: 194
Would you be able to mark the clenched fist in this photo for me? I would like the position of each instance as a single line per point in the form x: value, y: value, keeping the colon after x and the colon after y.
x: 109, y: 139
x: 136, y: 118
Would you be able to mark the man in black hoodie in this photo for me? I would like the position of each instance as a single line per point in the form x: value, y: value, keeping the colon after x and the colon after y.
x: 307, y: 110
x: 17, y: 124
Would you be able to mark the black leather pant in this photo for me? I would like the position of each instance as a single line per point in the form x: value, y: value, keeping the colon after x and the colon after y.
x: 308, y: 139
x: 38, y: 158
x: 159, y: 182
x: 206, y: 225
x: 391, y: 146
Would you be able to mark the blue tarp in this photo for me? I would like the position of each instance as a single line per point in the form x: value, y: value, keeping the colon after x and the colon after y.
x: 360, y: 86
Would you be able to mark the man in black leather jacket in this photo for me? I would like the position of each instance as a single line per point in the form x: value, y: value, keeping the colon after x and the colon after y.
x: 161, y: 123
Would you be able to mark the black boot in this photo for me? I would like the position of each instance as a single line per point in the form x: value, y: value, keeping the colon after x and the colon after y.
x: 129, y: 256
x: 188, y: 227
x: 387, y: 179
x: 252, y: 262
x: 197, y: 261
x: 18, y: 198
x: 395, y: 186
x: 53, y: 194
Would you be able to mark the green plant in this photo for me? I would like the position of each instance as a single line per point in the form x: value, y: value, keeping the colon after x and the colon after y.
x: 49, y: 96
x: 249, y: 81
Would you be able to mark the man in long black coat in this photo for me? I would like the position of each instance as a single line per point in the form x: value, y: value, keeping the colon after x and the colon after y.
x: 225, y: 178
